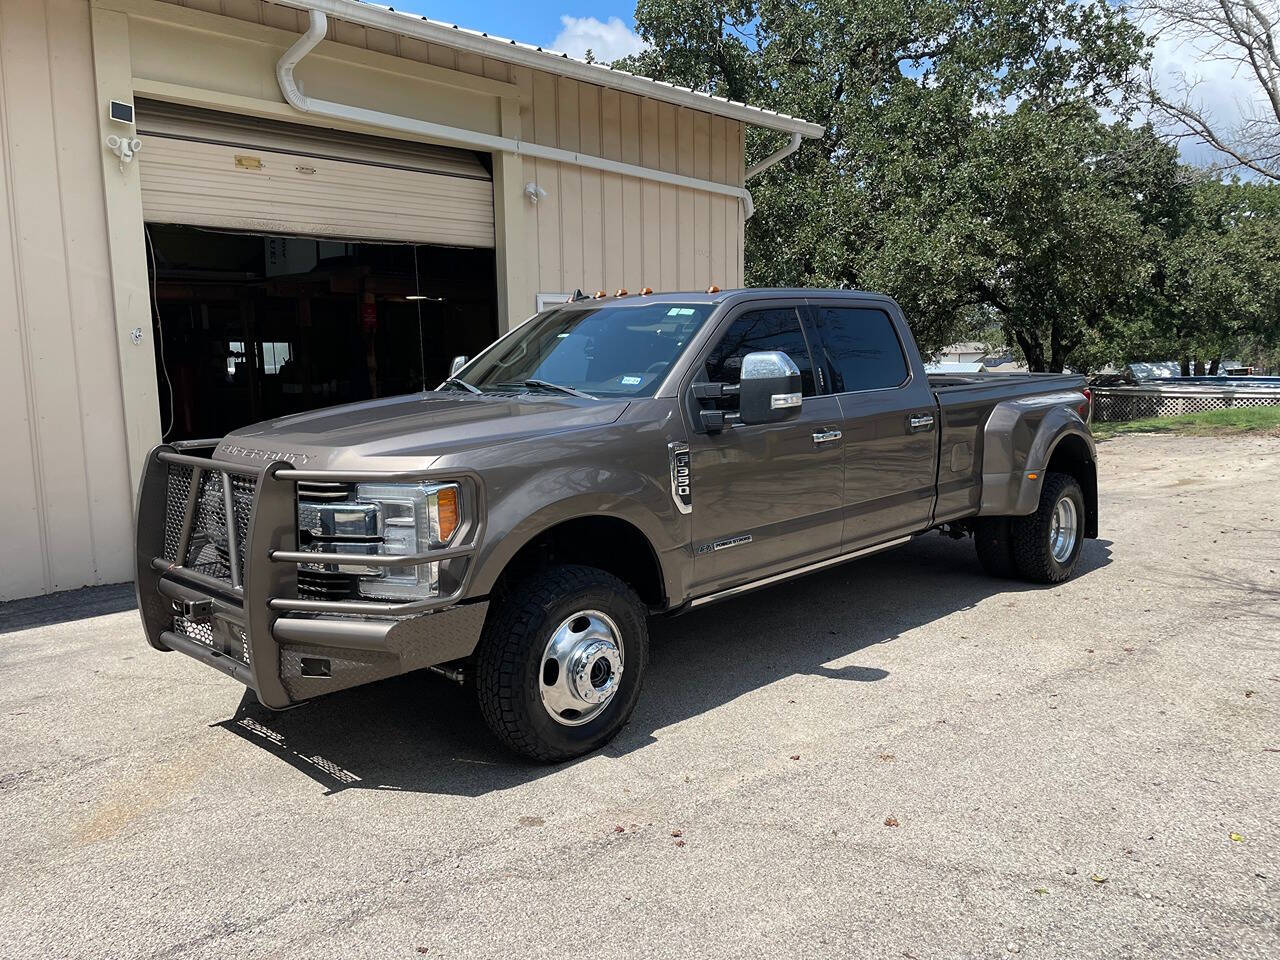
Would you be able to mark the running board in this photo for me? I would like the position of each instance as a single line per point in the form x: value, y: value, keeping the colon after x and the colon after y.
x: 797, y: 572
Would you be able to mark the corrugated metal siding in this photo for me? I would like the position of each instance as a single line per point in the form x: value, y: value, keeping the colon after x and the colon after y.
x: 601, y: 231
x: 66, y: 519
x: 593, y: 230
x: 286, y: 18
x: 204, y: 184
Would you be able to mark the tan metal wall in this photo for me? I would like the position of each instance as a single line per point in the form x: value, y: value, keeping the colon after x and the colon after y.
x: 78, y: 396
x: 593, y: 230
x: 65, y: 514
x: 603, y: 231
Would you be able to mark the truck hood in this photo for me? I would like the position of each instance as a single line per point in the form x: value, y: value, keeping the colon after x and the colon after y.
x: 411, y: 432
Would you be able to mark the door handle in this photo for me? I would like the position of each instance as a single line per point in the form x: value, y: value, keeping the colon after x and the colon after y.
x: 923, y: 421
x: 826, y: 436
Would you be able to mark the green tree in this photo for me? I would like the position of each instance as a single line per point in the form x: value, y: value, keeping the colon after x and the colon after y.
x: 964, y: 170
x: 1215, y: 284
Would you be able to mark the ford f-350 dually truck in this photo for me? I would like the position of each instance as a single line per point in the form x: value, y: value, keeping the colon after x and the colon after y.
x: 609, y: 459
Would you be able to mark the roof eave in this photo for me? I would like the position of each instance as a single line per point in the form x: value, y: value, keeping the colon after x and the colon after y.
x: 496, y: 48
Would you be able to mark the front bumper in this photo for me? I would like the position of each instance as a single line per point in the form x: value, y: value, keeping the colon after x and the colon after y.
x: 239, y: 612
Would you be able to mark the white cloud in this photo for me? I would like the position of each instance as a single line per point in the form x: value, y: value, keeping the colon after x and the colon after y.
x: 1226, y: 93
x: 607, y: 41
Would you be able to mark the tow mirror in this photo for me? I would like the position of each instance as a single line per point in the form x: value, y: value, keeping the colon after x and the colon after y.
x: 457, y: 364
x: 769, y: 390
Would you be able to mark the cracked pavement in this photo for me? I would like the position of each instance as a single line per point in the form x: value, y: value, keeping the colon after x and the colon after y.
x: 896, y: 758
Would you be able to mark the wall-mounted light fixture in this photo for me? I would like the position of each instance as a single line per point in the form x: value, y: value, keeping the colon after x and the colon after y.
x: 534, y: 192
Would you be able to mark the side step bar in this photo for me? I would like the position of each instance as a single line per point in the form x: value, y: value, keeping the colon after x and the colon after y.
x: 797, y: 572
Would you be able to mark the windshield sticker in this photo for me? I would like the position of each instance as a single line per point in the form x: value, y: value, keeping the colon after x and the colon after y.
x: 632, y: 381
x: 680, y: 312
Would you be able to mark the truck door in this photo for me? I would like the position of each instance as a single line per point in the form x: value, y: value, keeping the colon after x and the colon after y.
x: 766, y: 497
x: 889, y: 419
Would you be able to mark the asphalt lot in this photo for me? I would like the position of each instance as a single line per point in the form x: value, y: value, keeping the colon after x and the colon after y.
x: 897, y: 758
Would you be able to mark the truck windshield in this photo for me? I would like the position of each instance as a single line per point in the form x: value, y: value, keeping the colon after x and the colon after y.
x: 613, y: 350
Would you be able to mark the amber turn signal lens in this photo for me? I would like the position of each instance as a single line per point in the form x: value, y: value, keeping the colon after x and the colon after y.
x: 447, y: 512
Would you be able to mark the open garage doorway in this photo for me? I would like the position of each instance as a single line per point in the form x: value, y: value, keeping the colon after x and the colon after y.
x: 253, y: 326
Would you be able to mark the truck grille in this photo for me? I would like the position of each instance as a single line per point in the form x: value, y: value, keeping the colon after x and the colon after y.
x: 323, y: 584
x: 207, y: 549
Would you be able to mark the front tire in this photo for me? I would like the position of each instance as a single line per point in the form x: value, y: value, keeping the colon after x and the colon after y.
x: 561, y: 661
x: 1047, y: 544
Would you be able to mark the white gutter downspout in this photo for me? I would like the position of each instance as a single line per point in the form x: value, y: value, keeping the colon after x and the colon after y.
x: 758, y: 168
x: 484, y: 141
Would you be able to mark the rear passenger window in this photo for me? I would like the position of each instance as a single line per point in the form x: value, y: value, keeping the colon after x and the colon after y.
x: 861, y: 348
x: 760, y: 330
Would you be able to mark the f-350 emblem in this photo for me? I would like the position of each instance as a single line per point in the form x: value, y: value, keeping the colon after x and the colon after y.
x: 681, y: 477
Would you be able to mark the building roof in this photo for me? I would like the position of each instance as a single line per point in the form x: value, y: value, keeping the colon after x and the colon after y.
x: 553, y: 61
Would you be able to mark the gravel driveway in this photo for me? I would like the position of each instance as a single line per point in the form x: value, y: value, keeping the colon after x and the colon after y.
x: 897, y: 758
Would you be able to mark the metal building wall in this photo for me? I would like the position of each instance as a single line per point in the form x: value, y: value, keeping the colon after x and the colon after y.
x: 593, y: 230
x: 65, y: 517
x: 73, y: 279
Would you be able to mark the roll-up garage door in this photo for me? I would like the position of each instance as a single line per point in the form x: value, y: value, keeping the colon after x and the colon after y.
x: 207, y: 169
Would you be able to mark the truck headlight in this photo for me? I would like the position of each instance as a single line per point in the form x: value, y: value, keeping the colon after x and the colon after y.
x: 412, y: 518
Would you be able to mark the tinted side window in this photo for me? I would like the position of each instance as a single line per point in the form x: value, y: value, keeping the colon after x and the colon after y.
x: 760, y: 330
x: 862, y: 349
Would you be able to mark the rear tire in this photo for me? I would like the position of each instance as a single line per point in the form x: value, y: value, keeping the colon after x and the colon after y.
x: 560, y: 664
x: 995, y: 548
x: 1047, y: 544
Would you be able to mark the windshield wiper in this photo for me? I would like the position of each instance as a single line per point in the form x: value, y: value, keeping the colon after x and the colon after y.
x: 464, y: 385
x: 548, y: 385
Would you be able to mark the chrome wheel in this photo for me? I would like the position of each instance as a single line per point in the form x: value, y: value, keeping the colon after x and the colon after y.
x: 581, y: 667
x: 1064, y: 530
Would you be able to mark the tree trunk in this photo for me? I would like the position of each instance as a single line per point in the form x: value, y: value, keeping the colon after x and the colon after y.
x: 1056, y: 359
x: 1199, y: 368
x: 1184, y: 368
x: 1032, y: 350
x: 1213, y: 367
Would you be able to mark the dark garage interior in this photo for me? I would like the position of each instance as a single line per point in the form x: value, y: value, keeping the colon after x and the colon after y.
x: 253, y: 326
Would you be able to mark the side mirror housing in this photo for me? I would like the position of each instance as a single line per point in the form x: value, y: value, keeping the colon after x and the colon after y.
x: 457, y: 364
x: 769, y: 391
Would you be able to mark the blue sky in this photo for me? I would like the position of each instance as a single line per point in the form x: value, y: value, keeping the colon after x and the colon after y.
x: 605, y: 26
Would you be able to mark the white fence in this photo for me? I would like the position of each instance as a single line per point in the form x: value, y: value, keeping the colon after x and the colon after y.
x: 1141, y: 401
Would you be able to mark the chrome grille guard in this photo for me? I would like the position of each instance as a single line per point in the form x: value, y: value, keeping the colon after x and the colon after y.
x: 176, y: 574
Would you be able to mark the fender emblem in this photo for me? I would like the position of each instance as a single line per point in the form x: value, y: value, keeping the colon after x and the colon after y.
x: 681, y: 477
x: 723, y: 544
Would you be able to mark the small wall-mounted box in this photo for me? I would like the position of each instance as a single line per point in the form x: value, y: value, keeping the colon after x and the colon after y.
x: 121, y: 112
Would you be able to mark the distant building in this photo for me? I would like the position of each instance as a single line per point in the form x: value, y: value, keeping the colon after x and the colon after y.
x: 955, y: 368
x: 969, y: 352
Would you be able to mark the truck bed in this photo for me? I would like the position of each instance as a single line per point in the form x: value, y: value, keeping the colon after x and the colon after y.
x: 945, y: 384
x: 965, y: 402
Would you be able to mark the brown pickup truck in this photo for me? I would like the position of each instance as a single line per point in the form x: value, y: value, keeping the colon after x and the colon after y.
x: 607, y: 460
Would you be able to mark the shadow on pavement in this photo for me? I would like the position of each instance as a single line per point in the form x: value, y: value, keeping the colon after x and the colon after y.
x: 422, y: 733
x: 68, y: 605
